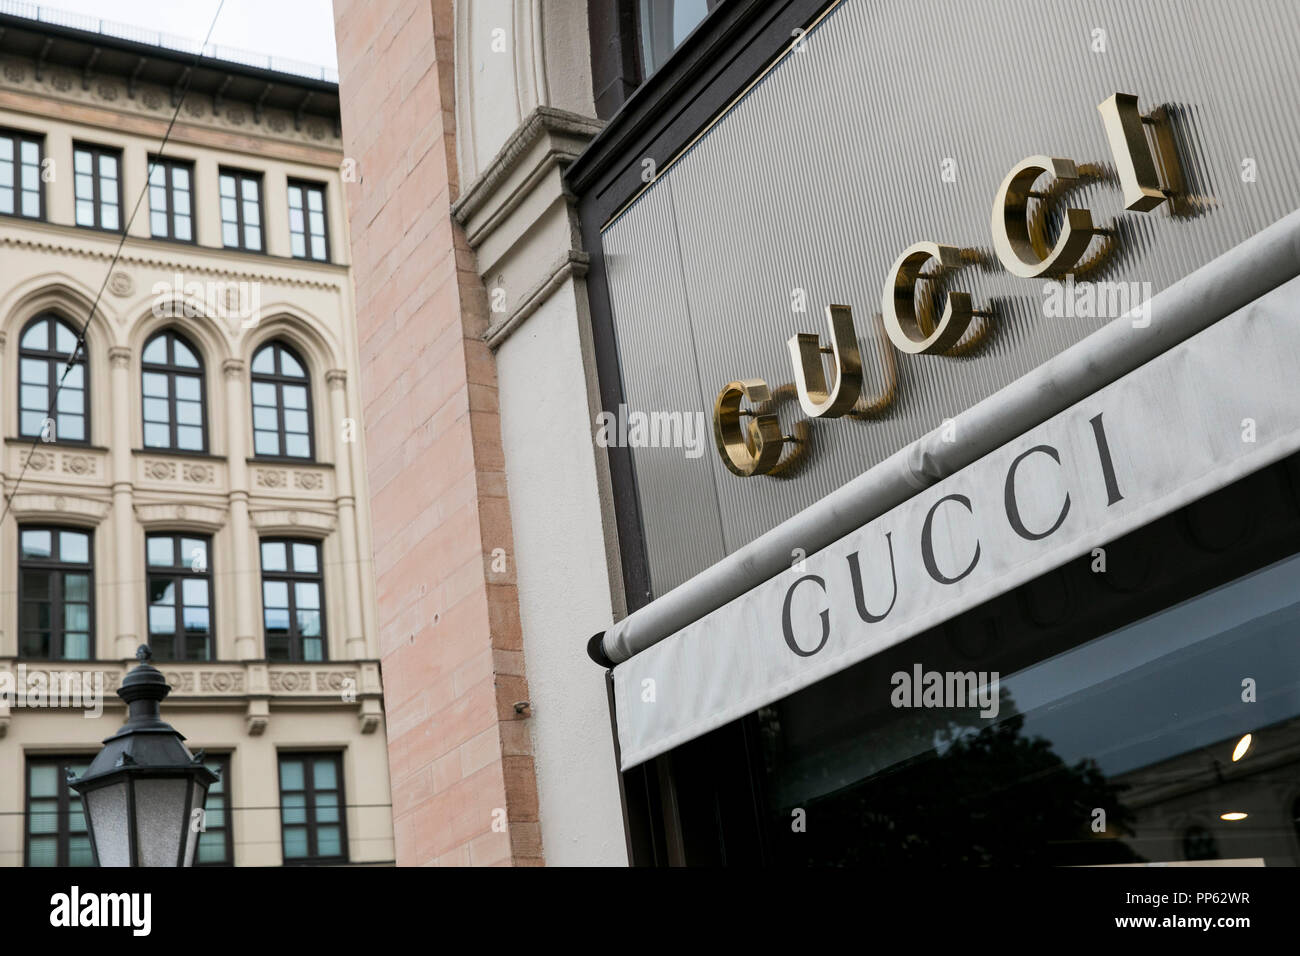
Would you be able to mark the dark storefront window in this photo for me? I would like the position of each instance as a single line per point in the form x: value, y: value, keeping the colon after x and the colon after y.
x: 1125, y: 697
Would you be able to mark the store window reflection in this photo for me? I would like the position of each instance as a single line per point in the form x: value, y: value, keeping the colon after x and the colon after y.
x: 1117, y: 750
x: 664, y: 24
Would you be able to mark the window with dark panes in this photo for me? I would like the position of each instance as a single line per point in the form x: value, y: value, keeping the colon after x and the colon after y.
x: 55, y: 594
x: 47, y: 343
x: 631, y: 39
x: 171, y: 204
x: 293, y: 613
x: 311, y: 808
x: 20, y: 175
x: 97, y: 187
x: 172, y: 384
x: 216, y: 842
x: 281, y: 404
x: 57, y: 834
x: 307, y: 234
x: 180, y: 597
x: 241, y: 210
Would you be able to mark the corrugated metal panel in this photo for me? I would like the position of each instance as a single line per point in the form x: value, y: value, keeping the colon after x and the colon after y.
x: 832, y: 165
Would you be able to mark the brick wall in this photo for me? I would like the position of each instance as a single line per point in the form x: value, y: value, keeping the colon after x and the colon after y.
x: 450, y: 637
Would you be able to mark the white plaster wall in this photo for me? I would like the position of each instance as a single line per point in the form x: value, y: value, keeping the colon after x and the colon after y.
x: 563, y: 582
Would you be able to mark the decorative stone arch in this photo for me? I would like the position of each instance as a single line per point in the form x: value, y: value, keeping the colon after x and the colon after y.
x: 322, y: 356
x: 206, y: 334
x: 70, y: 300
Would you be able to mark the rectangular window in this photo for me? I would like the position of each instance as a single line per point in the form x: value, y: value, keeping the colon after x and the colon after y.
x: 216, y: 842
x: 311, y: 808
x: 20, y: 175
x: 56, y: 607
x: 97, y: 186
x: 56, y: 822
x: 171, y: 206
x: 292, y: 609
x: 180, y: 597
x: 241, y: 210
x: 307, y: 233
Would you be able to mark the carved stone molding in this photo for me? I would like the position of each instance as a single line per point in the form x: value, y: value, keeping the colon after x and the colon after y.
x: 336, y: 377
x: 233, y: 368
x: 198, y: 472
x: 271, y: 478
x: 121, y: 284
x: 293, y: 521
x: 119, y: 356
x: 144, y: 99
x: 89, y: 510
x: 196, y: 516
x: 308, y: 480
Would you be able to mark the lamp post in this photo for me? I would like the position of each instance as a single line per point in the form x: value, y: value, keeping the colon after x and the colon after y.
x: 142, y: 790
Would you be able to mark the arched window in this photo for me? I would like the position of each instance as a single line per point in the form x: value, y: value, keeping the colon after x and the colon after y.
x: 47, y: 344
x: 281, y: 404
x: 171, y: 378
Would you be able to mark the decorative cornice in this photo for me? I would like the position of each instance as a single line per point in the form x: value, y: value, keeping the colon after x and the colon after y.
x: 572, y: 264
x: 293, y: 521
x: 543, y: 121
x: 156, y: 262
x: 85, y: 511
x: 196, y: 516
x: 62, y: 84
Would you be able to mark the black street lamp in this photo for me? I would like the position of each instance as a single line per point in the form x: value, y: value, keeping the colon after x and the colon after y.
x: 143, y: 789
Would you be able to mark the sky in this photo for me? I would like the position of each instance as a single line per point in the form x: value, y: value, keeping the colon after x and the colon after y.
x: 297, y: 29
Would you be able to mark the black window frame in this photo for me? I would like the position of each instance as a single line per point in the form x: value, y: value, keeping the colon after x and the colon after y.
x: 279, y: 379
x: 291, y: 576
x: 18, y: 137
x: 169, y: 190
x: 55, y: 361
x: 305, y: 187
x: 59, y: 569
x: 177, y: 573
x: 241, y: 177
x: 65, y: 797
x: 97, y: 196
x: 309, y: 791
x: 220, y: 764
x: 172, y: 370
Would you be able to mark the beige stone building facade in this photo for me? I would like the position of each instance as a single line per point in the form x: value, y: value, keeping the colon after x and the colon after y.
x: 198, y: 484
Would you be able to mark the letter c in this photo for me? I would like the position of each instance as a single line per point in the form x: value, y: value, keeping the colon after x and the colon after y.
x: 785, y: 618
x: 1009, y: 495
x: 927, y: 542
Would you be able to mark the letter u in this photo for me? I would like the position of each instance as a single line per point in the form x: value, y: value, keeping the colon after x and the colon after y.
x: 860, y: 598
